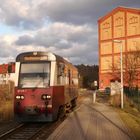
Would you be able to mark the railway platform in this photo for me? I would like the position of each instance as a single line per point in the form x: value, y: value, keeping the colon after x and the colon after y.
x: 90, y: 121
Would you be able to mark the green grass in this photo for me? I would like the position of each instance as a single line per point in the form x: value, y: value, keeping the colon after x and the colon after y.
x: 132, y: 122
x: 131, y: 117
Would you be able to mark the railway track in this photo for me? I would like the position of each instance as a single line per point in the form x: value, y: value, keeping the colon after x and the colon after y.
x: 31, y: 131
x: 23, y: 132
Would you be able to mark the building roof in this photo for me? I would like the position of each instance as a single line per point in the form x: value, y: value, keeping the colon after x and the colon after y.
x: 120, y: 8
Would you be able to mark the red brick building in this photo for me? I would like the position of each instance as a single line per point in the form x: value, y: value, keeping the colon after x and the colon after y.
x: 7, y: 68
x: 120, y: 24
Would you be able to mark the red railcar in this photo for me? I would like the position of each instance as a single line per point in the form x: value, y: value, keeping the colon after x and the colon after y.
x: 45, y: 86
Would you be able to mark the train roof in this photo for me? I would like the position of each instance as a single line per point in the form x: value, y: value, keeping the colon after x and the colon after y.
x: 50, y: 57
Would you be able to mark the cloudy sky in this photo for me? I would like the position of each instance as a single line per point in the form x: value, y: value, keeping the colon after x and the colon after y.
x: 65, y: 27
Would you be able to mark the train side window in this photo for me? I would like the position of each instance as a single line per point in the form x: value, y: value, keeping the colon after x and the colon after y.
x: 69, y: 76
x: 61, y: 68
x: 60, y: 73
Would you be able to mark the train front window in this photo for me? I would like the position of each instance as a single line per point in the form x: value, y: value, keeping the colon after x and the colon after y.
x: 34, y: 75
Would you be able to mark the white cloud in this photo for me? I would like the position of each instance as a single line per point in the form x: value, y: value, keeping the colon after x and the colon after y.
x: 80, y: 11
x: 65, y: 27
x: 63, y: 39
x: 6, y: 47
x: 58, y: 33
x: 21, y: 13
x: 31, y: 14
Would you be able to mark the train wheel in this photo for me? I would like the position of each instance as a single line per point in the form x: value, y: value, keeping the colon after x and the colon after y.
x: 61, y: 113
x: 74, y: 103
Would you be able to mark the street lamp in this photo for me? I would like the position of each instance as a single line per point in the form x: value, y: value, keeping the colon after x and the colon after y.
x: 121, y: 63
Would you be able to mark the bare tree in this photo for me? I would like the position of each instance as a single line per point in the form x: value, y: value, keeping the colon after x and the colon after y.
x: 131, y: 68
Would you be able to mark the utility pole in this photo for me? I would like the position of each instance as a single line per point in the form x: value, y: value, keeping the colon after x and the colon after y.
x: 121, y: 64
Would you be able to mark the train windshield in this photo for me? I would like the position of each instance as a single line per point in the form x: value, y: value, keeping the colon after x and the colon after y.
x: 34, y: 75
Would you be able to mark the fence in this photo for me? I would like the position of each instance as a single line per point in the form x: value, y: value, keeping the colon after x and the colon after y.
x: 134, y: 95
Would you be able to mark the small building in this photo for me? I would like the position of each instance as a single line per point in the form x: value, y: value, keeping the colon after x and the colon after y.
x: 122, y: 24
x: 7, y: 72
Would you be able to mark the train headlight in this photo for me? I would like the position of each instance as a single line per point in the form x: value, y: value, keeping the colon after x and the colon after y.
x: 19, y: 97
x: 45, y: 97
x: 48, y: 97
